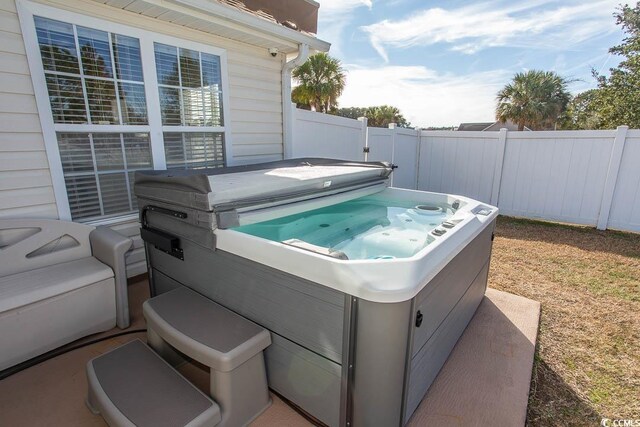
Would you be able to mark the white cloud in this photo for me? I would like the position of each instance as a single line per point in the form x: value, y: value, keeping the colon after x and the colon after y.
x: 328, y: 7
x: 425, y: 97
x: 336, y: 15
x: 469, y: 29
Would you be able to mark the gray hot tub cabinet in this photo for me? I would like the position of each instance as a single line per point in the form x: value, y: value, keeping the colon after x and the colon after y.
x: 346, y: 361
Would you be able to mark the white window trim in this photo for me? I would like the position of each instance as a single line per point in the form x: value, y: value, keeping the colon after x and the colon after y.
x: 27, y: 10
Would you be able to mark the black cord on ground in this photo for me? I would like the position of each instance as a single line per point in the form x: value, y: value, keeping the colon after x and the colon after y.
x: 60, y: 351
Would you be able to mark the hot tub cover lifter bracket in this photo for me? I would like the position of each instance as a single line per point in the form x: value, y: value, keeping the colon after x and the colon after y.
x: 161, y: 240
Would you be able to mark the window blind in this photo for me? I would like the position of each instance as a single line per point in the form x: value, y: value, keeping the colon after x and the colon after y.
x: 194, y: 150
x: 98, y: 98
x: 99, y: 168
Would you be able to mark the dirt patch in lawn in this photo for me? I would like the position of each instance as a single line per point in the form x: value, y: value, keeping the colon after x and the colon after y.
x: 587, y: 362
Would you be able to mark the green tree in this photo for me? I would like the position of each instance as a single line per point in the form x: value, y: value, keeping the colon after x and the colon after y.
x: 535, y: 99
x: 377, y: 116
x: 321, y: 80
x: 581, y: 112
x: 618, y: 96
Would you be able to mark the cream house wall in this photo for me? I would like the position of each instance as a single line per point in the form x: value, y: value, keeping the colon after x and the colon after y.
x: 26, y: 186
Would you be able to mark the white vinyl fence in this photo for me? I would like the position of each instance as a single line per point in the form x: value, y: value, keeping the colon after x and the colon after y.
x: 324, y: 135
x: 581, y: 177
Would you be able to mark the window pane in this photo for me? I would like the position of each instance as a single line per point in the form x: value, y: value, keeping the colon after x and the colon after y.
x: 211, y: 71
x: 109, y: 101
x: 173, y: 150
x: 199, y: 102
x: 193, y: 107
x: 108, y: 149
x: 193, y: 150
x: 67, y: 99
x: 213, y: 107
x: 82, y: 193
x: 170, y: 106
x: 95, y: 52
x: 212, y: 82
x: 167, y: 64
x: 75, y: 152
x: 133, y: 104
x: 96, y: 77
x: 97, y: 172
x: 57, y: 45
x: 114, y: 192
x: 103, y: 107
x: 126, y: 51
x: 137, y: 150
x: 190, y: 68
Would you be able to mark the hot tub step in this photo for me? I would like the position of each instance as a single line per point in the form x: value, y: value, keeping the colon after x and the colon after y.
x: 224, y: 341
x: 133, y: 386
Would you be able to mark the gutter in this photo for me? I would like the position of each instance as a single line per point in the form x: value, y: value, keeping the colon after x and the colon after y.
x: 287, y: 105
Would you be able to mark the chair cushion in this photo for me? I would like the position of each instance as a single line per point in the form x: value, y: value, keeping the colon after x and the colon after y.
x: 21, y: 289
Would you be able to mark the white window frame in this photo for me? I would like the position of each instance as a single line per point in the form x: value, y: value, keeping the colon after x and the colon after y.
x: 27, y: 10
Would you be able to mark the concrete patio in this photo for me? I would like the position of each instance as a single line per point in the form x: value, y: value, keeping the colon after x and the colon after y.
x: 485, y: 380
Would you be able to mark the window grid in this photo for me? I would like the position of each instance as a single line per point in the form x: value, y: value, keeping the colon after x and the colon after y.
x: 194, y: 150
x: 88, y: 80
x: 113, y: 71
x: 196, y: 144
x: 211, y: 111
x: 106, y: 79
x: 182, y: 118
x: 85, y: 75
x: 99, y: 172
x: 82, y: 79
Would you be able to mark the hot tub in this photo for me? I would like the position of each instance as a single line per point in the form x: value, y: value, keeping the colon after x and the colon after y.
x: 365, y: 288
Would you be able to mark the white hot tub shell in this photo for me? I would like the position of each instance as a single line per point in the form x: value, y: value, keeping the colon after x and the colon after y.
x: 356, y: 342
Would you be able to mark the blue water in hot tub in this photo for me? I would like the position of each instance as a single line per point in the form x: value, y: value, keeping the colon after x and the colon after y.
x: 363, y: 228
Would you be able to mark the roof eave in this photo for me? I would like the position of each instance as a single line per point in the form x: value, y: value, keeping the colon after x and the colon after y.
x: 233, y: 15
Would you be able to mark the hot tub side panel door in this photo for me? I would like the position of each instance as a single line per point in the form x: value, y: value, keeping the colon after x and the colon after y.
x: 446, y: 305
x: 381, y: 345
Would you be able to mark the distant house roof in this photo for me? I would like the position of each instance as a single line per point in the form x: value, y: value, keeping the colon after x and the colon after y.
x: 477, y: 127
x: 489, y: 126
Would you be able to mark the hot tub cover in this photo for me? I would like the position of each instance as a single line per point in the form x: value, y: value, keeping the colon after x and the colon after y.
x: 224, y: 190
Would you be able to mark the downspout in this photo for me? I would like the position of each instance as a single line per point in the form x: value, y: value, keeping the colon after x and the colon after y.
x: 287, y: 105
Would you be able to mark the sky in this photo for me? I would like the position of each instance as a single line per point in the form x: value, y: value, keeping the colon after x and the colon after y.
x: 442, y: 62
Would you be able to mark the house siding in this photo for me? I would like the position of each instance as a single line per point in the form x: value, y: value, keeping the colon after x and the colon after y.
x: 26, y: 188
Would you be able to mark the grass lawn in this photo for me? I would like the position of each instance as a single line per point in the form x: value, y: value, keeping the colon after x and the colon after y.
x: 587, y: 363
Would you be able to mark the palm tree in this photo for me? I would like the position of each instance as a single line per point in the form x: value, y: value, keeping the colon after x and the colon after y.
x: 321, y: 80
x: 535, y: 99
